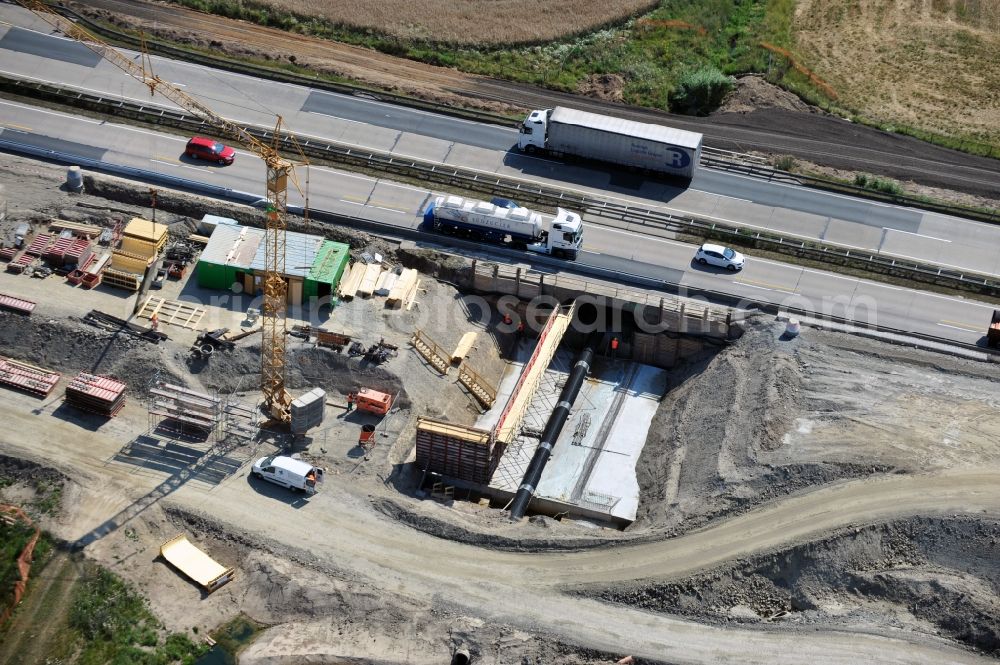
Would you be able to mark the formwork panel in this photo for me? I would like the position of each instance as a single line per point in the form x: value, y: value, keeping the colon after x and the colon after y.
x: 464, y: 453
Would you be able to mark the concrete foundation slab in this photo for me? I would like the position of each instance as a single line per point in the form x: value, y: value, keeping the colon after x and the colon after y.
x: 592, y: 469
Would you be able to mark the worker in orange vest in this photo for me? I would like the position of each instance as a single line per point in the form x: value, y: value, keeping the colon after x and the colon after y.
x: 154, y: 322
x: 614, y: 346
x: 350, y: 401
x: 520, y: 329
x: 506, y: 318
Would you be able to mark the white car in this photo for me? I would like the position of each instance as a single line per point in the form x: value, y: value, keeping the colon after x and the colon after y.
x: 717, y: 255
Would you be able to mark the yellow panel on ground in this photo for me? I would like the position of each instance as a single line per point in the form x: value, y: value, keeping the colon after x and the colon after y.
x: 463, y: 348
x: 195, y: 564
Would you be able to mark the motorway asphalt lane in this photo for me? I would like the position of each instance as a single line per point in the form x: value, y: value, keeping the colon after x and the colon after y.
x: 608, y: 244
x: 853, y: 223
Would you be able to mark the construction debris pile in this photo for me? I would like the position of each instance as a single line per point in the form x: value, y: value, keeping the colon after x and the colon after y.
x: 97, y: 394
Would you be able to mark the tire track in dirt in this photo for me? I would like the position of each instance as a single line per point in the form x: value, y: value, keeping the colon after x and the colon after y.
x: 44, y: 608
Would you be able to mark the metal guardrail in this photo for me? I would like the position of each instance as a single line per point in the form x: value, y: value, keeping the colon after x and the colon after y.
x: 710, y: 157
x: 492, y: 184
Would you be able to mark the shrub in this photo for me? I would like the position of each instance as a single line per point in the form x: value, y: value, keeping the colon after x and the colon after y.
x: 784, y: 163
x: 700, y: 91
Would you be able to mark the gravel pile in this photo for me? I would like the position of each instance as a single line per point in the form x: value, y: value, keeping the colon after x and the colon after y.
x: 69, y: 346
x: 942, y: 572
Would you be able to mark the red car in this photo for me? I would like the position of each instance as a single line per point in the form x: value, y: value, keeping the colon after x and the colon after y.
x: 202, y: 148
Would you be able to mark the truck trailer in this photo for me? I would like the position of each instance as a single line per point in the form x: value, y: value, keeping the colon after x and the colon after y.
x: 567, y: 132
x: 561, y: 235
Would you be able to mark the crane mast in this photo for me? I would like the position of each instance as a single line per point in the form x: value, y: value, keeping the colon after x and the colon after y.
x: 276, y: 397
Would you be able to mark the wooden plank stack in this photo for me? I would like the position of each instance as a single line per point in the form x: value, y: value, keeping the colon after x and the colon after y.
x: 348, y: 286
x: 404, y: 289
x: 369, y: 280
x: 97, y: 394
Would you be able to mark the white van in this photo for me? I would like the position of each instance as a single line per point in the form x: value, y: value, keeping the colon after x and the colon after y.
x: 289, y: 472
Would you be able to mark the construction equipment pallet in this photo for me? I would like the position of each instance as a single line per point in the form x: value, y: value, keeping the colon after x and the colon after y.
x: 26, y: 377
x: 15, y: 304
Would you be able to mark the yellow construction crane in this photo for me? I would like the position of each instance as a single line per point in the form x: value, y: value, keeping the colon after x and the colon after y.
x: 279, y: 170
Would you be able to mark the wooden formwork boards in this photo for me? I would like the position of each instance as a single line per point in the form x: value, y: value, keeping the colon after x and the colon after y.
x: 122, y: 279
x: 464, y: 347
x: 476, y: 384
x: 465, y: 453
x: 138, y: 247
x: 173, y: 312
x: 76, y: 228
x: 348, y: 286
x: 144, y: 229
x: 509, y: 424
x: 369, y: 280
x: 431, y: 351
x: 128, y: 262
x: 404, y: 285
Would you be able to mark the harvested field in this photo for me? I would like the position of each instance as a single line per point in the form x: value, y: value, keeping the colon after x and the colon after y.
x: 472, y: 22
x: 932, y: 65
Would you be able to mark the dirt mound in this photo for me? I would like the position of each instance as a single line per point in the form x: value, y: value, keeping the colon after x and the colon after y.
x: 753, y: 93
x: 609, y: 87
x: 924, y: 574
x: 69, y: 346
x: 307, y: 367
x: 766, y: 417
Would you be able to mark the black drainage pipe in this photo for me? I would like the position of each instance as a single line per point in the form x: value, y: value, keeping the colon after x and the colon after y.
x: 553, y: 427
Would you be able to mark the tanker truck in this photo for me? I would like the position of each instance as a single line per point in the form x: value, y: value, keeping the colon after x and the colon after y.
x: 561, y: 132
x: 560, y: 235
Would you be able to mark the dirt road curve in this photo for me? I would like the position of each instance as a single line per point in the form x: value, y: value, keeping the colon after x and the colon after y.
x: 818, y: 138
x: 529, y: 591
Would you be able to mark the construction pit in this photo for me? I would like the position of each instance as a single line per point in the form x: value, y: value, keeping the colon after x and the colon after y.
x: 829, y: 498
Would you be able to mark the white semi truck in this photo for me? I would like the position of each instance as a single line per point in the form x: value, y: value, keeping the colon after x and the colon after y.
x: 561, y: 131
x: 561, y: 235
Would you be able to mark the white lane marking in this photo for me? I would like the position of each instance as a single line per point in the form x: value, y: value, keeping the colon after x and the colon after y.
x: 732, y: 198
x: 183, y: 166
x: 335, y: 117
x: 945, y: 325
x: 104, y: 93
x: 961, y: 301
x: 353, y: 203
x: 645, y: 238
x: 919, y: 235
x: 374, y: 181
x: 60, y: 115
x: 764, y: 288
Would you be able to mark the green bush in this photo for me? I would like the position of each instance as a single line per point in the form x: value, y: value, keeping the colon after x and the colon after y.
x: 116, y: 626
x: 784, y: 163
x: 883, y: 185
x: 700, y: 91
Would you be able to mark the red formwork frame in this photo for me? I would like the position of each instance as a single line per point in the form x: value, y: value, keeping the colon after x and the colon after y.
x: 16, y: 304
